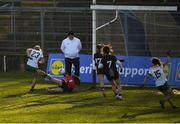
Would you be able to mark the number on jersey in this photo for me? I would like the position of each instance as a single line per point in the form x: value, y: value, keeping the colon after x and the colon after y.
x: 157, y: 74
x: 98, y: 61
x: 35, y: 54
x: 109, y: 63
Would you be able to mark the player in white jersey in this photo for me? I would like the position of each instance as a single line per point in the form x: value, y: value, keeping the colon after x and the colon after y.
x: 35, y: 57
x: 161, y: 82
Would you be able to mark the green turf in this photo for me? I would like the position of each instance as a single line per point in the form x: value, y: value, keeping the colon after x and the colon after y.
x: 16, y: 105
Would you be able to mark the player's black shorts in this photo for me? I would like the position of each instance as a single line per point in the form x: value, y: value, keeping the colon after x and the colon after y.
x: 65, y: 87
x: 100, y: 71
x: 112, y: 74
x: 164, y: 88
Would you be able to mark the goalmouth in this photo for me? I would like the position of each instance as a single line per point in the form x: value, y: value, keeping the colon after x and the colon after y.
x: 122, y: 7
x: 118, y: 8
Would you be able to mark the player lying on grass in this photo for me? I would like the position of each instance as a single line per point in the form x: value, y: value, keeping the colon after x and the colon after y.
x: 161, y: 82
x: 67, y: 84
x: 35, y: 56
x: 100, y: 71
x: 109, y: 62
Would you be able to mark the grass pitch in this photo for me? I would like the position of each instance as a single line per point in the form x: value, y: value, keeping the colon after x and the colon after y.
x: 83, y: 105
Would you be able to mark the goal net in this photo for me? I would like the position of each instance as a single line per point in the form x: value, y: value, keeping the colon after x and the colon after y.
x: 137, y: 34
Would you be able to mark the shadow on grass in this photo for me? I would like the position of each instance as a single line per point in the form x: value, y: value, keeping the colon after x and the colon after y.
x: 37, y: 92
x: 15, y: 95
x: 45, y: 102
x: 38, y: 102
x: 35, y: 104
x: 177, y: 121
x: 93, y: 102
x: 77, y: 103
x: 151, y: 111
x: 144, y: 112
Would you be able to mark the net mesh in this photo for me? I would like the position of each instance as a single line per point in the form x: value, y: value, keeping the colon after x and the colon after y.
x: 140, y: 32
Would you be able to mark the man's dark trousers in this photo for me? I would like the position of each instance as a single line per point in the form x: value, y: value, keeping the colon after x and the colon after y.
x: 69, y: 62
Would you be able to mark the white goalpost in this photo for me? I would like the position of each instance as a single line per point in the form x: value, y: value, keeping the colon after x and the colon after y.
x: 118, y: 8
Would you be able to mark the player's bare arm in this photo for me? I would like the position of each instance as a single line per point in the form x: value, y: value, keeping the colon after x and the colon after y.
x: 146, y: 80
x: 28, y: 51
x: 167, y: 61
x: 168, y: 53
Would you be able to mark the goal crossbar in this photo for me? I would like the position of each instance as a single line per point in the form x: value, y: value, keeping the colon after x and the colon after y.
x: 133, y: 8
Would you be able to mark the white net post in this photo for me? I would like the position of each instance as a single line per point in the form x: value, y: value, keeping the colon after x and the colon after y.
x: 94, y: 43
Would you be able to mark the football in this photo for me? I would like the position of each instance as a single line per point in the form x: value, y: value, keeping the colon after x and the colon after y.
x: 61, y: 71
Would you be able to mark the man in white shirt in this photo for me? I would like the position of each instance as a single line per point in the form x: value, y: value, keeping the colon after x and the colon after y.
x: 71, y: 47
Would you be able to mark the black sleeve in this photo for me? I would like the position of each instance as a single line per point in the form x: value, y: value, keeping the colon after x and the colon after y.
x: 94, y: 57
x: 115, y: 59
x: 103, y: 61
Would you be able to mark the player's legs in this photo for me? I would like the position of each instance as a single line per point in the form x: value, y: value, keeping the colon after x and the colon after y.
x: 101, y: 83
x: 116, y: 89
x: 113, y: 84
x: 112, y: 80
x: 68, y: 66
x: 34, y: 75
x: 101, y: 80
x: 167, y: 91
x: 54, y: 90
x: 168, y: 95
x: 117, y: 83
x: 118, y: 86
x: 76, y: 66
x: 54, y: 80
